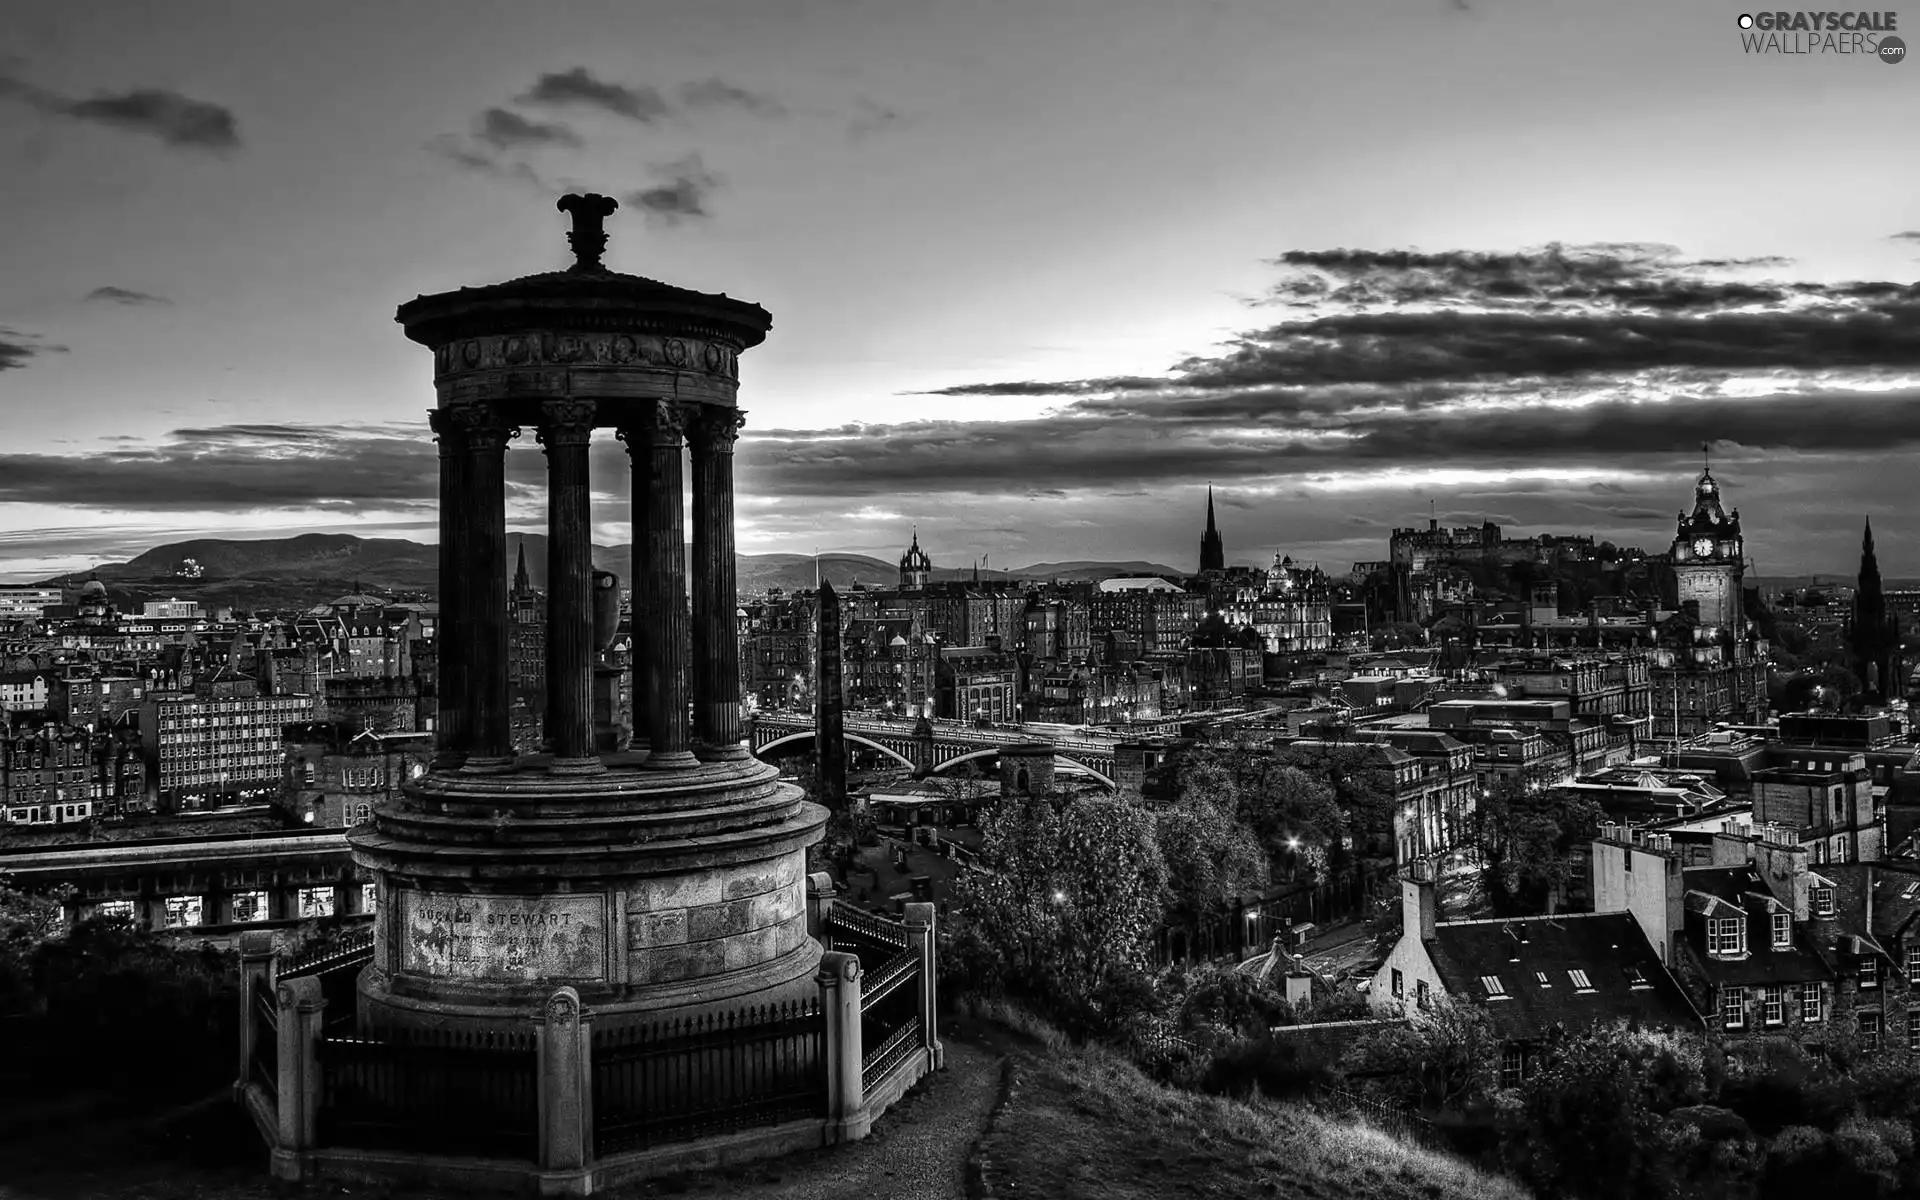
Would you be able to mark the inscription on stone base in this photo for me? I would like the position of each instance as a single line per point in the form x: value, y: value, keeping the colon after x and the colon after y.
x: 511, y: 939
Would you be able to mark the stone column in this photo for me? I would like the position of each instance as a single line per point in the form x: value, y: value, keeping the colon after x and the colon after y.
x: 566, y: 430
x: 919, y: 922
x: 566, y: 1086
x: 839, y: 980
x: 257, y: 958
x: 302, y: 1010
x: 666, y: 585
x: 716, y: 600
x: 819, y: 905
x: 451, y: 731
x: 641, y: 668
x: 484, y: 612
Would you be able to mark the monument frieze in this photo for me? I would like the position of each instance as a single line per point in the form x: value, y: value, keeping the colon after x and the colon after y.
x: 568, y: 349
x: 517, y: 939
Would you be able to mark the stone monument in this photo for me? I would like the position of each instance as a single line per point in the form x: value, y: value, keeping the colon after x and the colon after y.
x: 665, y: 878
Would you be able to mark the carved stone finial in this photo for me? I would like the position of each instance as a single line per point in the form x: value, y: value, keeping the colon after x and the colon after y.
x: 589, y: 236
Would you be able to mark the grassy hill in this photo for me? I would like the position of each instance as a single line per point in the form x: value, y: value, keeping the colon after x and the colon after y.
x: 1083, y: 1123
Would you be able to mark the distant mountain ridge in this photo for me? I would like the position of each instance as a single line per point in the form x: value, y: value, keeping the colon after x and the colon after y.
x: 314, y: 568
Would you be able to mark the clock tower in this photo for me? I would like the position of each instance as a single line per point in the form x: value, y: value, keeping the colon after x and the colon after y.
x: 1708, y: 556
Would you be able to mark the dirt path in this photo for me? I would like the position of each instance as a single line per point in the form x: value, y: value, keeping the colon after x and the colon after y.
x: 917, y: 1151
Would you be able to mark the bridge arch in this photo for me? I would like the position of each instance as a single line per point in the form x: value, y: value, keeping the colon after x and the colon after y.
x: 806, y: 735
x: 993, y: 751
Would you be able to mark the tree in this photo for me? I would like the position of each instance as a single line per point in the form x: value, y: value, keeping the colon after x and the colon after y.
x: 1443, y: 1058
x: 28, y: 921
x: 1592, y: 1122
x: 1293, y: 816
x: 1065, y: 911
x: 1210, y: 858
x: 1526, y: 841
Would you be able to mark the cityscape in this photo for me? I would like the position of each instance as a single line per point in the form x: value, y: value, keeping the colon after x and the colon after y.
x: 1077, y: 687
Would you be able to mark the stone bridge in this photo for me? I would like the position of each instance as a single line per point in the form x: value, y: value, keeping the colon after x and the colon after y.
x: 951, y: 742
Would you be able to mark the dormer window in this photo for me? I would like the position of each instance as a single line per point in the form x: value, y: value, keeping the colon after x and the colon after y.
x: 1783, y: 931
x: 1823, y: 902
x: 1495, y: 989
x: 1636, y: 978
x: 1727, y: 937
x: 1580, y: 981
x: 1541, y: 976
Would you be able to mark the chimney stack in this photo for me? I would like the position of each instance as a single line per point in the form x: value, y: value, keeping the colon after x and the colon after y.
x: 1419, y: 904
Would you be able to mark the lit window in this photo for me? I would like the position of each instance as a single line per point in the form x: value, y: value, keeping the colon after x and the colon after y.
x: 1773, y: 1000
x: 119, y: 910
x: 1580, y: 981
x: 370, y: 898
x: 249, y: 906
x: 1810, y: 1003
x: 182, y: 911
x: 316, y: 902
x: 1733, y: 1007
x: 1783, y: 931
x: 1913, y: 964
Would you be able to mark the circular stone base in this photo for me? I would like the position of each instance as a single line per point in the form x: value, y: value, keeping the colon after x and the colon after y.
x: 651, y: 892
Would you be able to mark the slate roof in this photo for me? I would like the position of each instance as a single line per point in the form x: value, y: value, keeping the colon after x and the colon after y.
x: 1626, y: 978
x: 1723, y: 892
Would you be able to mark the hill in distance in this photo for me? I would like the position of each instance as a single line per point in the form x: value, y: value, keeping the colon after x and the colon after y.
x: 299, y: 572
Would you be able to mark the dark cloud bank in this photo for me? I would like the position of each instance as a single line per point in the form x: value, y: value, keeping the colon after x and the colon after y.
x: 1568, y: 387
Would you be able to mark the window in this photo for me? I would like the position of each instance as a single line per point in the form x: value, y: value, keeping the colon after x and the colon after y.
x: 1870, y: 1030
x: 1542, y: 977
x: 1419, y: 985
x: 1810, y: 1003
x: 370, y: 902
x: 1823, y: 902
x: 182, y: 911
x: 1913, y: 964
x: 1783, y: 931
x: 1733, y: 1007
x: 1399, y: 984
x: 116, y: 909
x: 1869, y: 972
x: 1773, y: 1003
x: 316, y: 902
x: 1913, y: 1030
x: 249, y: 906
x: 1580, y: 981
x: 1636, y: 978
x: 1495, y: 989
x: 1513, y: 1066
x: 1726, y: 937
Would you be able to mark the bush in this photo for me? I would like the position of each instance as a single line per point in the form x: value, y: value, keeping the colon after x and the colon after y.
x: 1264, y: 1065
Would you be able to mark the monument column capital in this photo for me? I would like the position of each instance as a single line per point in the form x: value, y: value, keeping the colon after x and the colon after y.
x: 481, y: 428
x: 565, y: 423
x: 714, y: 430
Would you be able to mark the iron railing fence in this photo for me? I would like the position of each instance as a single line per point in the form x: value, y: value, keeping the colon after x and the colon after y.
x: 708, y: 1074
x: 459, y: 1092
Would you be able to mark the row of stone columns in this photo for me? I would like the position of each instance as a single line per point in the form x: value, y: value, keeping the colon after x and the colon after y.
x: 474, y: 731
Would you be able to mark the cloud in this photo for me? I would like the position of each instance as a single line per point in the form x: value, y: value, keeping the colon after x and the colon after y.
x: 120, y: 295
x: 482, y: 163
x: 580, y: 89
x: 1910, y: 235
x: 718, y: 93
x: 684, y: 193
x: 16, y: 348
x: 504, y: 130
x: 175, y: 119
x: 870, y: 117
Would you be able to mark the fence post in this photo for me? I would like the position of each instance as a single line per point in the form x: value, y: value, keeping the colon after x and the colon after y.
x: 302, y: 1011
x: 563, y: 1035
x: 256, y: 963
x: 819, y: 905
x: 919, y: 922
x: 839, y: 980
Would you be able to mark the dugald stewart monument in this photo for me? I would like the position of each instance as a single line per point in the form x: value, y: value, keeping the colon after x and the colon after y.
x: 604, y: 959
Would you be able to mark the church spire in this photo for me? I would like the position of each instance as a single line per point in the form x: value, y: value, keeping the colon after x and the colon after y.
x: 1213, y: 554
x: 1873, y: 633
x: 521, y: 582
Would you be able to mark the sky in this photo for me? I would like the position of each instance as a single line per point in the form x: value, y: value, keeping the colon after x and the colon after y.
x: 1041, y: 270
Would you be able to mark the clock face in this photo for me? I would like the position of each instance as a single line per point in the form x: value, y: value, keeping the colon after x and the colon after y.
x: 1703, y: 547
